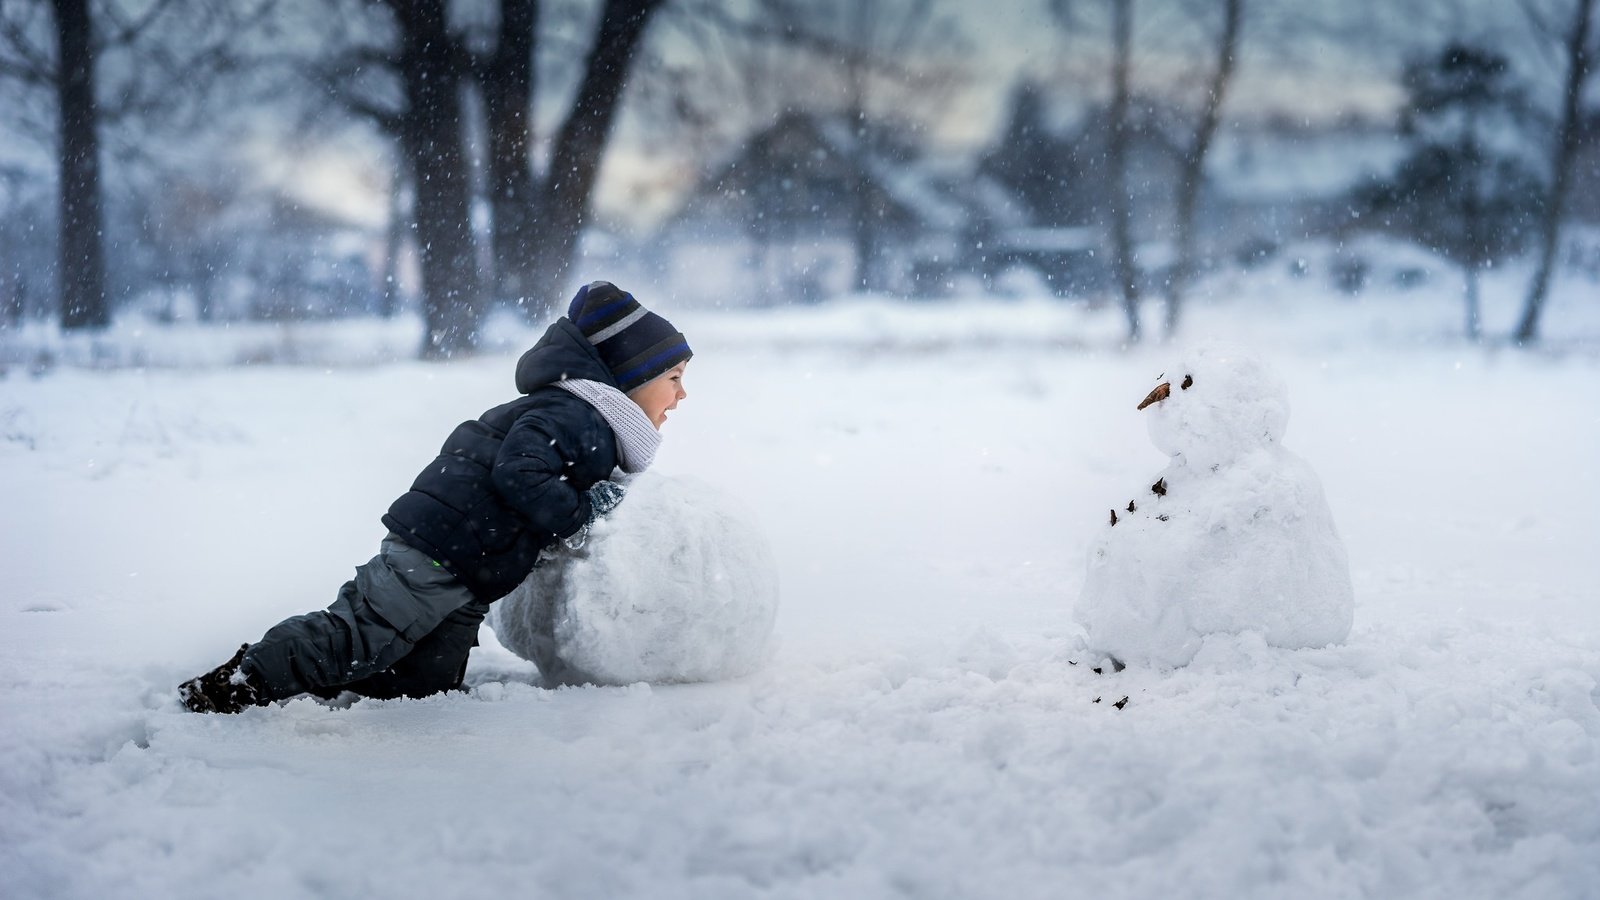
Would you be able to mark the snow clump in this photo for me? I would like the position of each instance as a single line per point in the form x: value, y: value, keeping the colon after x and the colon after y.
x: 1233, y: 536
x: 674, y: 585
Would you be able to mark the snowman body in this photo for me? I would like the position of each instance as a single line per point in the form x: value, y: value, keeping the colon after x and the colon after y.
x: 1233, y: 535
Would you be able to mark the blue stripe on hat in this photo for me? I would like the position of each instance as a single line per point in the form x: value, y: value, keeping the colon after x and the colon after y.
x: 657, y: 360
x: 604, y: 311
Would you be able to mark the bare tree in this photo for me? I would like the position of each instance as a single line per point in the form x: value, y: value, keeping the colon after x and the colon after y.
x: 538, y: 214
x: 509, y: 82
x: 410, y: 72
x: 738, y: 79
x: 888, y: 56
x: 167, y: 55
x: 405, y: 71
x: 1119, y: 135
x: 1122, y: 248
x: 1460, y: 190
x: 83, y: 270
x: 393, y: 242
x: 1191, y: 175
x: 13, y: 286
x: 563, y: 199
x: 431, y: 138
x: 881, y: 66
x: 70, y: 72
x: 1577, y: 49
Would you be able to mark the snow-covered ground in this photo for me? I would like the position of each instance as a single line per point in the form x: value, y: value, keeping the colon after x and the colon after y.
x: 930, y: 479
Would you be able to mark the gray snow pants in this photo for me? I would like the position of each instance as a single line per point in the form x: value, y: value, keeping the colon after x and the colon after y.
x: 403, y: 627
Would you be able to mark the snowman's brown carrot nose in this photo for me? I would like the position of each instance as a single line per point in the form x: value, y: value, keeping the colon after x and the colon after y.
x: 1157, y: 395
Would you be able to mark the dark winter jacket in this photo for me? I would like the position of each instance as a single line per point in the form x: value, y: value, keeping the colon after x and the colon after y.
x: 509, y: 483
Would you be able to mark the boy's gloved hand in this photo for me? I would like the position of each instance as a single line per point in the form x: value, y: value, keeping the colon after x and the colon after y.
x: 603, y: 498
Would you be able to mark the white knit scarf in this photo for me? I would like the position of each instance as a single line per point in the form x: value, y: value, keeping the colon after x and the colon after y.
x: 637, y: 437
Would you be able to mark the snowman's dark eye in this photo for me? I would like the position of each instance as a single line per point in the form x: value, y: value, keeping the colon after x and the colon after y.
x: 1187, y: 382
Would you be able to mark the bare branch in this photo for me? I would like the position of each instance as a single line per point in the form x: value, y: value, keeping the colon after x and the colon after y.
x: 1542, y: 23
x: 33, y: 64
x: 1067, y: 13
x: 404, y: 12
x: 335, y: 81
x: 148, y: 91
x: 389, y: 120
x: 26, y: 74
x: 786, y: 25
x: 128, y: 32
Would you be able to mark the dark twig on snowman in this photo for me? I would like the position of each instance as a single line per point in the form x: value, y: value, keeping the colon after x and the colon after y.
x: 1235, y: 536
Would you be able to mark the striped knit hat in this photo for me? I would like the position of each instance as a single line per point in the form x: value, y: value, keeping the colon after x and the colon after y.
x: 635, y: 343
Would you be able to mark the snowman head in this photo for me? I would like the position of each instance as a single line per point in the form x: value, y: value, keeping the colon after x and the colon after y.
x: 1215, y: 404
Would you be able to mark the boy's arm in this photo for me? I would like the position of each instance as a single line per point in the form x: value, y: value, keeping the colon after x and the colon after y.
x: 529, y: 473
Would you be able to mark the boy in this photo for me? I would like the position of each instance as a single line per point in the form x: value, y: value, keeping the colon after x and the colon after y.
x: 596, y: 389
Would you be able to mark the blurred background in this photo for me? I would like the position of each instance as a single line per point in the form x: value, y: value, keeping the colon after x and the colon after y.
x: 930, y: 254
x: 451, y: 169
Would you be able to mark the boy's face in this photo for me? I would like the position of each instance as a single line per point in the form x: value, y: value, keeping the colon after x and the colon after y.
x: 661, y: 393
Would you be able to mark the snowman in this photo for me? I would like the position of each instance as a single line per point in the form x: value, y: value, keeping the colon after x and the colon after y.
x: 675, y: 585
x: 1234, y: 535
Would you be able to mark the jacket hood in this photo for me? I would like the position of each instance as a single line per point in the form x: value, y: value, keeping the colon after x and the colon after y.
x: 562, y: 353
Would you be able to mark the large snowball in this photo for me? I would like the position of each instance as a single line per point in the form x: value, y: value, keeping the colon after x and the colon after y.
x: 1242, y: 539
x: 675, y: 585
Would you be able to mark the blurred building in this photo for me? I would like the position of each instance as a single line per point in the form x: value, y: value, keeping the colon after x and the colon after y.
x: 797, y: 207
x: 1267, y: 183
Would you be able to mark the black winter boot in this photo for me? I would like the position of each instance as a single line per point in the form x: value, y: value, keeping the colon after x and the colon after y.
x: 224, y: 689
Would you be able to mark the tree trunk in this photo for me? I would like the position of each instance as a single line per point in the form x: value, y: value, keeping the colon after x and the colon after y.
x: 1474, y: 304
x: 864, y: 242
x: 205, y: 283
x: 394, y: 239
x: 1475, y: 255
x: 450, y: 279
x: 1193, y: 173
x: 10, y: 295
x: 580, y: 144
x: 508, y: 81
x: 1117, y: 159
x: 10, y: 283
x: 868, y: 208
x: 1561, y: 171
x: 83, y: 275
x: 865, y: 219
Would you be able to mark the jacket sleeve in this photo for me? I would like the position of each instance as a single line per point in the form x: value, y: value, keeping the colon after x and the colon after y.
x: 530, y: 473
